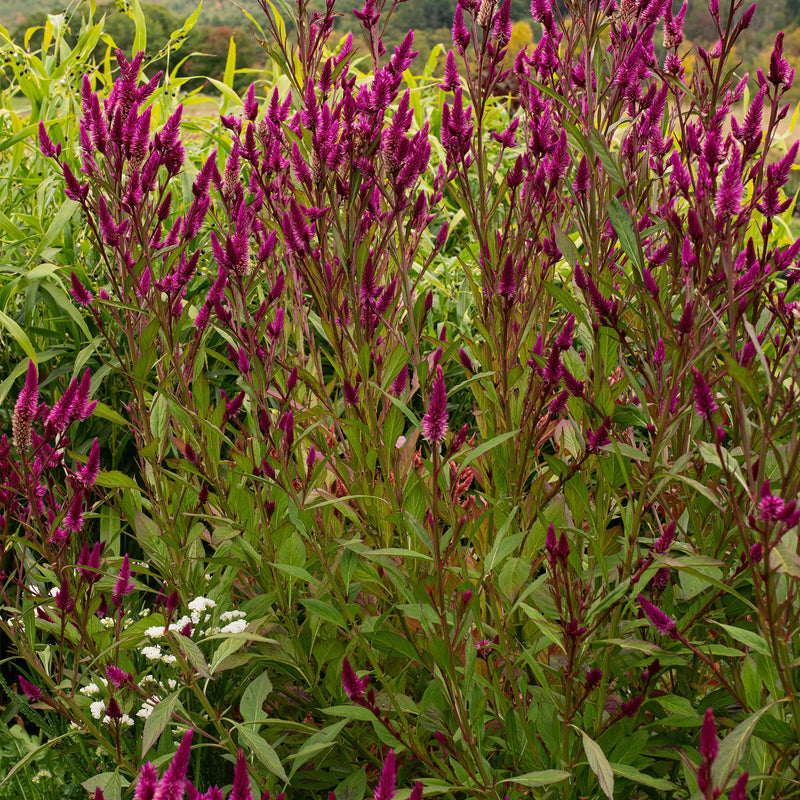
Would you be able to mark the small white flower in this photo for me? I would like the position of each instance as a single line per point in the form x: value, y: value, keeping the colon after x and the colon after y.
x: 107, y: 622
x: 92, y: 688
x: 147, y: 707
x: 172, y: 683
x: 229, y: 616
x: 126, y: 720
x: 153, y: 652
x: 98, y: 708
x: 155, y: 631
x: 201, y: 604
x: 145, y: 612
x: 182, y: 622
x: 168, y: 658
x: 41, y: 775
x: 237, y: 626
x: 54, y: 591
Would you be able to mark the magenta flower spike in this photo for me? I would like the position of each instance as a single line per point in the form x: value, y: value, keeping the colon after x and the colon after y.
x: 118, y: 677
x: 354, y: 686
x: 662, y: 622
x: 146, y: 785
x: 739, y: 791
x: 123, y: 585
x: 703, y: 398
x: 82, y: 296
x: 48, y: 149
x: 25, y: 410
x: 709, y: 745
x: 173, y: 782
x: 241, y: 780
x: 87, y: 475
x: 434, y: 423
x: 385, y: 790
x: 34, y: 692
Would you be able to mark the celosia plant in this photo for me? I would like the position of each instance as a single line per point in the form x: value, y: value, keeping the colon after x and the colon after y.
x: 492, y: 399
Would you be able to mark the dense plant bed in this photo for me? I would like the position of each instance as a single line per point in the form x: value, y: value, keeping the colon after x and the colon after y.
x: 396, y: 431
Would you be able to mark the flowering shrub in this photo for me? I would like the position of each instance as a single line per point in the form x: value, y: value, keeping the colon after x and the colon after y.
x: 464, y: 425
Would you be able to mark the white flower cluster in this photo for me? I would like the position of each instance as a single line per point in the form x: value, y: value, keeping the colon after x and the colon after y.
x: 92, y: 688
x: 98, y: 711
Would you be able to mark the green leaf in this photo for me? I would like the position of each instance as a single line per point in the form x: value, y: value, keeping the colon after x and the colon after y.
x: 140, y: 37
x: 158, y: 720
x: 324, y: 611
x: 542, y: 778
x: 733, y: 747
x: 624, y: 227
x: 250, y: 706
x: 102, y: 411
x: 709, y: 454
x: 193, y: 655
x: 19, y: 336
x: 626, y: 771
x: 230, y: 64
x: 263, y: 750
x: 227, y: 648
x: 679, y: 705
x: 353, y: 787
x: 599, y: 765
x: 485, y: 447
x: 110, y: 783
x: 607, y: 159
x: 783, y: 559
x: 748, y: 638
x: 775, y: 731
x: 114, y: 479
x: 351, y: 712
x: 64, y: 215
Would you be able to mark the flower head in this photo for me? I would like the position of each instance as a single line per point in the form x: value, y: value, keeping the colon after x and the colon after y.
x: 25, y: 410
x: 709, y: 746
x: 123, y: 585
x: 703, y: 398
x: 434, y: 423
x: 663, y: 623
x: 354, y: 686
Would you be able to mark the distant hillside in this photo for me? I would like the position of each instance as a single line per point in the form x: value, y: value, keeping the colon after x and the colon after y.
x: 215, y: 12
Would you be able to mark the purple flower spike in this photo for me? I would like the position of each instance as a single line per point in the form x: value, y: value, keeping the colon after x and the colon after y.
x: 434, y: 423
x: 173, y: 782
x: 663, y: 623
x: 354, y: 687
x: 83, y: 297
x: 146, y: 785
x: 451, y: 76
x: 123, y: 585
x: 48, y: 149
x: 385, y: 790
x: 118, y: 677
x: 25, y: 410
x: 703, y: 398
x: 740, y: 789
x: 87, y: 475
x: 34, y: 692
x: 461, y: 34
x: 64, y: 601
x: 729, y: 193
x: 400, y: 382
x: 241, y: 780
x: 709, y: 746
